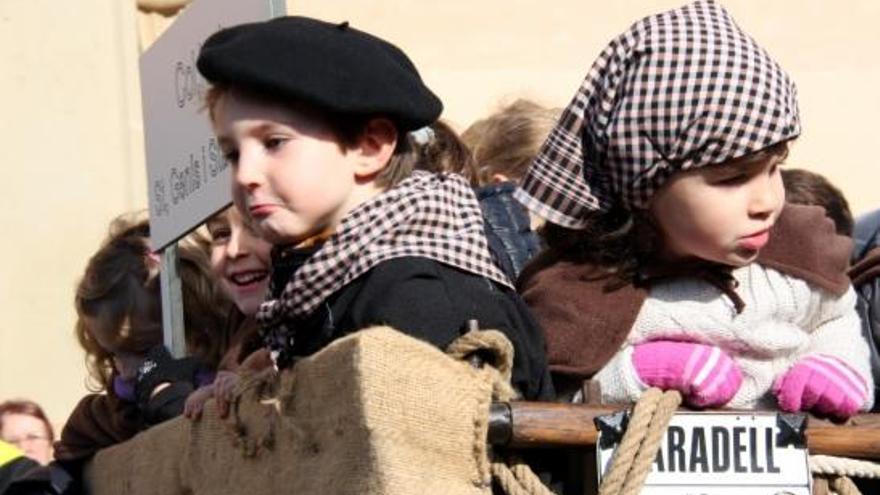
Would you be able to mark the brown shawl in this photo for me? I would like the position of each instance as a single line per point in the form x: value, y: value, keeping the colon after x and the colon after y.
x: 585, y: 323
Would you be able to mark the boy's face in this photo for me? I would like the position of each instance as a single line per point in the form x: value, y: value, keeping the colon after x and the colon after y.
x: 240, y: 260
x: 290, y: 177
x: 719, y: 213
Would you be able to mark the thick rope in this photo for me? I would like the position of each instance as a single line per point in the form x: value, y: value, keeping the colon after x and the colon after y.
x: 516, y: 478
x: 839, y: 470
x: 841, y: 466
x: 513, y: 475
x: 844, y: 486
x: 637, y: 450
x: 496, y: 343
x: 644, y: 460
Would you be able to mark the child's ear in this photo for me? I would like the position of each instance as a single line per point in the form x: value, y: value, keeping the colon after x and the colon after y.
x: 374, y: 148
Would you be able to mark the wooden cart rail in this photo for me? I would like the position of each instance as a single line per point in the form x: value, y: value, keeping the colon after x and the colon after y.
x: 550, y: 424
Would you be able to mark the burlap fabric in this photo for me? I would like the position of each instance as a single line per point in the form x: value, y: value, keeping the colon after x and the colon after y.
x: 377, y: 412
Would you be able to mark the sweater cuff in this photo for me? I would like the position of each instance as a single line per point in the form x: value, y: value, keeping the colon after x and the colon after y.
x: 618, y: 379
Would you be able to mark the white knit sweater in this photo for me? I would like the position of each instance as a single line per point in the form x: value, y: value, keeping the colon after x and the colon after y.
x: 784, y: 320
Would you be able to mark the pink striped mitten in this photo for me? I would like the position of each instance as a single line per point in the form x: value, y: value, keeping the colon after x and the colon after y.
x: 822, y: 384
x: 704, y: 374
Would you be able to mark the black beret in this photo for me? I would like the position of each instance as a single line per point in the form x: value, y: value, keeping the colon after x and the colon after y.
x: 333, y: 67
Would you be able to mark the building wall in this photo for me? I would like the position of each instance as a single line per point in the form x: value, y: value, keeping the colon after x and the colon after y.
x: 72, y: 159
x: 72, y: 139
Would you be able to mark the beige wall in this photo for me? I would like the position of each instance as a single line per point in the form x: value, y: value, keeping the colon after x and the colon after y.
x: 72, y: 153
x: 71, y: 133
x: 473, y: 53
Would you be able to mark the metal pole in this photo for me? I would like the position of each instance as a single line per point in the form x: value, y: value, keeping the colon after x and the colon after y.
x: 172, y: 303
x: 277, y: 8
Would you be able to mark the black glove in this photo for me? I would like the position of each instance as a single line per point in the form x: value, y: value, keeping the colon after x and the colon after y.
x: 158, y: 368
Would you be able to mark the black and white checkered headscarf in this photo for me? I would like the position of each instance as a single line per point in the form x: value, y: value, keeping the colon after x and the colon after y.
x: 433, y: 216
x: 677, y: 91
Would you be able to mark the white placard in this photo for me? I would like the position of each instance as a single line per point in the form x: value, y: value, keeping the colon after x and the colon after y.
x: 188, y: 179
x: 723, y: 454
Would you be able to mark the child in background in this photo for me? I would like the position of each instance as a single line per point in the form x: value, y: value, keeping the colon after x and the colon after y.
x: 674, y: 262
x: 119, y: 326
x: 241, y: 261
x: 313, y: 118
x: 865, y: 275
x: 505, y: 143
x: 503, y: 146
x: 438, y: 148
x: 803, y: 187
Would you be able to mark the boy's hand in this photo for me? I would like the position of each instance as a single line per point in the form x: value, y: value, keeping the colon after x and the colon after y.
x: 822, y: 384
x: 195, y: 403
x: 705, y: 375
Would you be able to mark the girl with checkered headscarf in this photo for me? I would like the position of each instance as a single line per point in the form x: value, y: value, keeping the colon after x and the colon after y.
x: 674, y: 261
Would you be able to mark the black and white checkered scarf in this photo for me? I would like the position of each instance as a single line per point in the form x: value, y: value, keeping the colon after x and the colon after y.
x: 678, y: 90
x: 428, y: 215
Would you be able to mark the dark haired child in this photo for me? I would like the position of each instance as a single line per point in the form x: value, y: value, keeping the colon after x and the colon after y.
x: 313, y: 118
x: 119, y: 325
x: 674, y: 262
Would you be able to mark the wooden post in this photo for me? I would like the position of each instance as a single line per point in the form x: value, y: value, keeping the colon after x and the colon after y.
x: 550, y: 424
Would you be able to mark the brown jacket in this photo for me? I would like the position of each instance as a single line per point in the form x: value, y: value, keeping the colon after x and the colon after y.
x: 98, y: 421
x: 585, y: 322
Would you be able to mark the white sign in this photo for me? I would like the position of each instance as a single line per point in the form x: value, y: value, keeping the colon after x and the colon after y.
x: 188, y: 178
x: 723, y: 454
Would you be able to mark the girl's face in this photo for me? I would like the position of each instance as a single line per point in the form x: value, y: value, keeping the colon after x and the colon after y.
x: 290, y: 176
x: 240, y: 260
x: 719, y: 213
x: 28, y: 434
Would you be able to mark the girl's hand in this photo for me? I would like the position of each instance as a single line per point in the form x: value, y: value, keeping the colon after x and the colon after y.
x: 224, y: 388
x: 705, y: 375
x: 195, y: 403
x: 821, y: 384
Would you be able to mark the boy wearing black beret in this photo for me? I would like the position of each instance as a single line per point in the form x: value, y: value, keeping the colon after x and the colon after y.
x: 314, y: 119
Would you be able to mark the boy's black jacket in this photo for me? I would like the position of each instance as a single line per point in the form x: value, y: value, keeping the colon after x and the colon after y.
x: 432, y: 302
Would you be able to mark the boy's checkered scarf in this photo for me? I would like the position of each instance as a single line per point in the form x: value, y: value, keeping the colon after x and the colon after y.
x: 427, y: 215
x: 678, y: 90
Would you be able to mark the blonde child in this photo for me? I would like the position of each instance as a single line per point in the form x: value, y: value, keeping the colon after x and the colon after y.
x: 503, y: 146
x: 313, y: 118
x: 505, y: 143
x: 674, y: 260
x: 241, y: 262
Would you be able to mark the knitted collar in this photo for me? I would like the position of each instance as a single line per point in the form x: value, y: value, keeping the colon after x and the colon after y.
x: 427, y: 215
x: 716, y: 274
